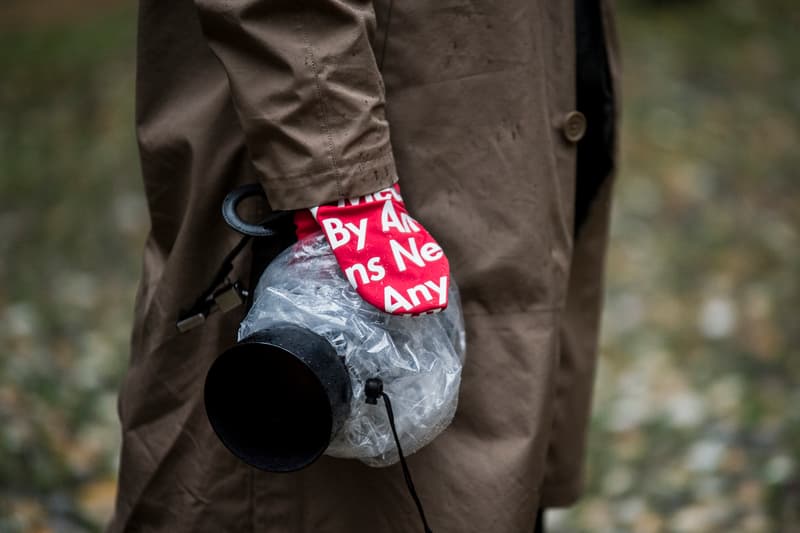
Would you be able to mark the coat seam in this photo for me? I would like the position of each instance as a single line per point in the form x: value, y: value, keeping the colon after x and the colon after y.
x: 358, y: 164
x: 311, y: 62
x: 385, y: 35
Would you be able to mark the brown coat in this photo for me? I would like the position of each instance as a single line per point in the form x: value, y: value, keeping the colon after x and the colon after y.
x: 301, y: 96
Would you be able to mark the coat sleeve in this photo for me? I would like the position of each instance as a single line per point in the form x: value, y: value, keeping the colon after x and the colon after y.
x: 308, y: 92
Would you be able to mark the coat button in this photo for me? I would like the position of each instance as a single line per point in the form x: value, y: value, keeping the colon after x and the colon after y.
x: 574, y: 126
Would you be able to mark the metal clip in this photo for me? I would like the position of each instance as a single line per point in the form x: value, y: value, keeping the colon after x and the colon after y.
x: 230, y: 297
x: 191, y: 322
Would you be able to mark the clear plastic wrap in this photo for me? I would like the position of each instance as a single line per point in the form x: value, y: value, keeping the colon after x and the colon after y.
x: 419, y: 359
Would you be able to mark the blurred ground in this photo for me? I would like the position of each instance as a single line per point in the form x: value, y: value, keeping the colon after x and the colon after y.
x: 72, y: 224
x: 695, y: 428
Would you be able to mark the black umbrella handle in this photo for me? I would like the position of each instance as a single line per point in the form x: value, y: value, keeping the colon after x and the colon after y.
x: 231, y: 215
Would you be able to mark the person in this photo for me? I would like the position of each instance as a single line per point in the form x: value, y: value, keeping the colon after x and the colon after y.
x: 498, y: 120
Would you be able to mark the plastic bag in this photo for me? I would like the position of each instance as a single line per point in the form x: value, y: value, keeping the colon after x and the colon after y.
x: 419, y: 359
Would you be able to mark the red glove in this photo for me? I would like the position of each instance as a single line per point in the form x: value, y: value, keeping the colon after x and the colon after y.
x: 387, y: 256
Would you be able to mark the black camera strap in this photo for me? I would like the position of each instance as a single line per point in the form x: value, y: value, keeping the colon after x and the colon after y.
x: 221, y: 294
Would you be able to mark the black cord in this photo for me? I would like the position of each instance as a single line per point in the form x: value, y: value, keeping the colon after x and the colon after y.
x: 406, y: 471
x: 386, y: 34
x: 374, y: 388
